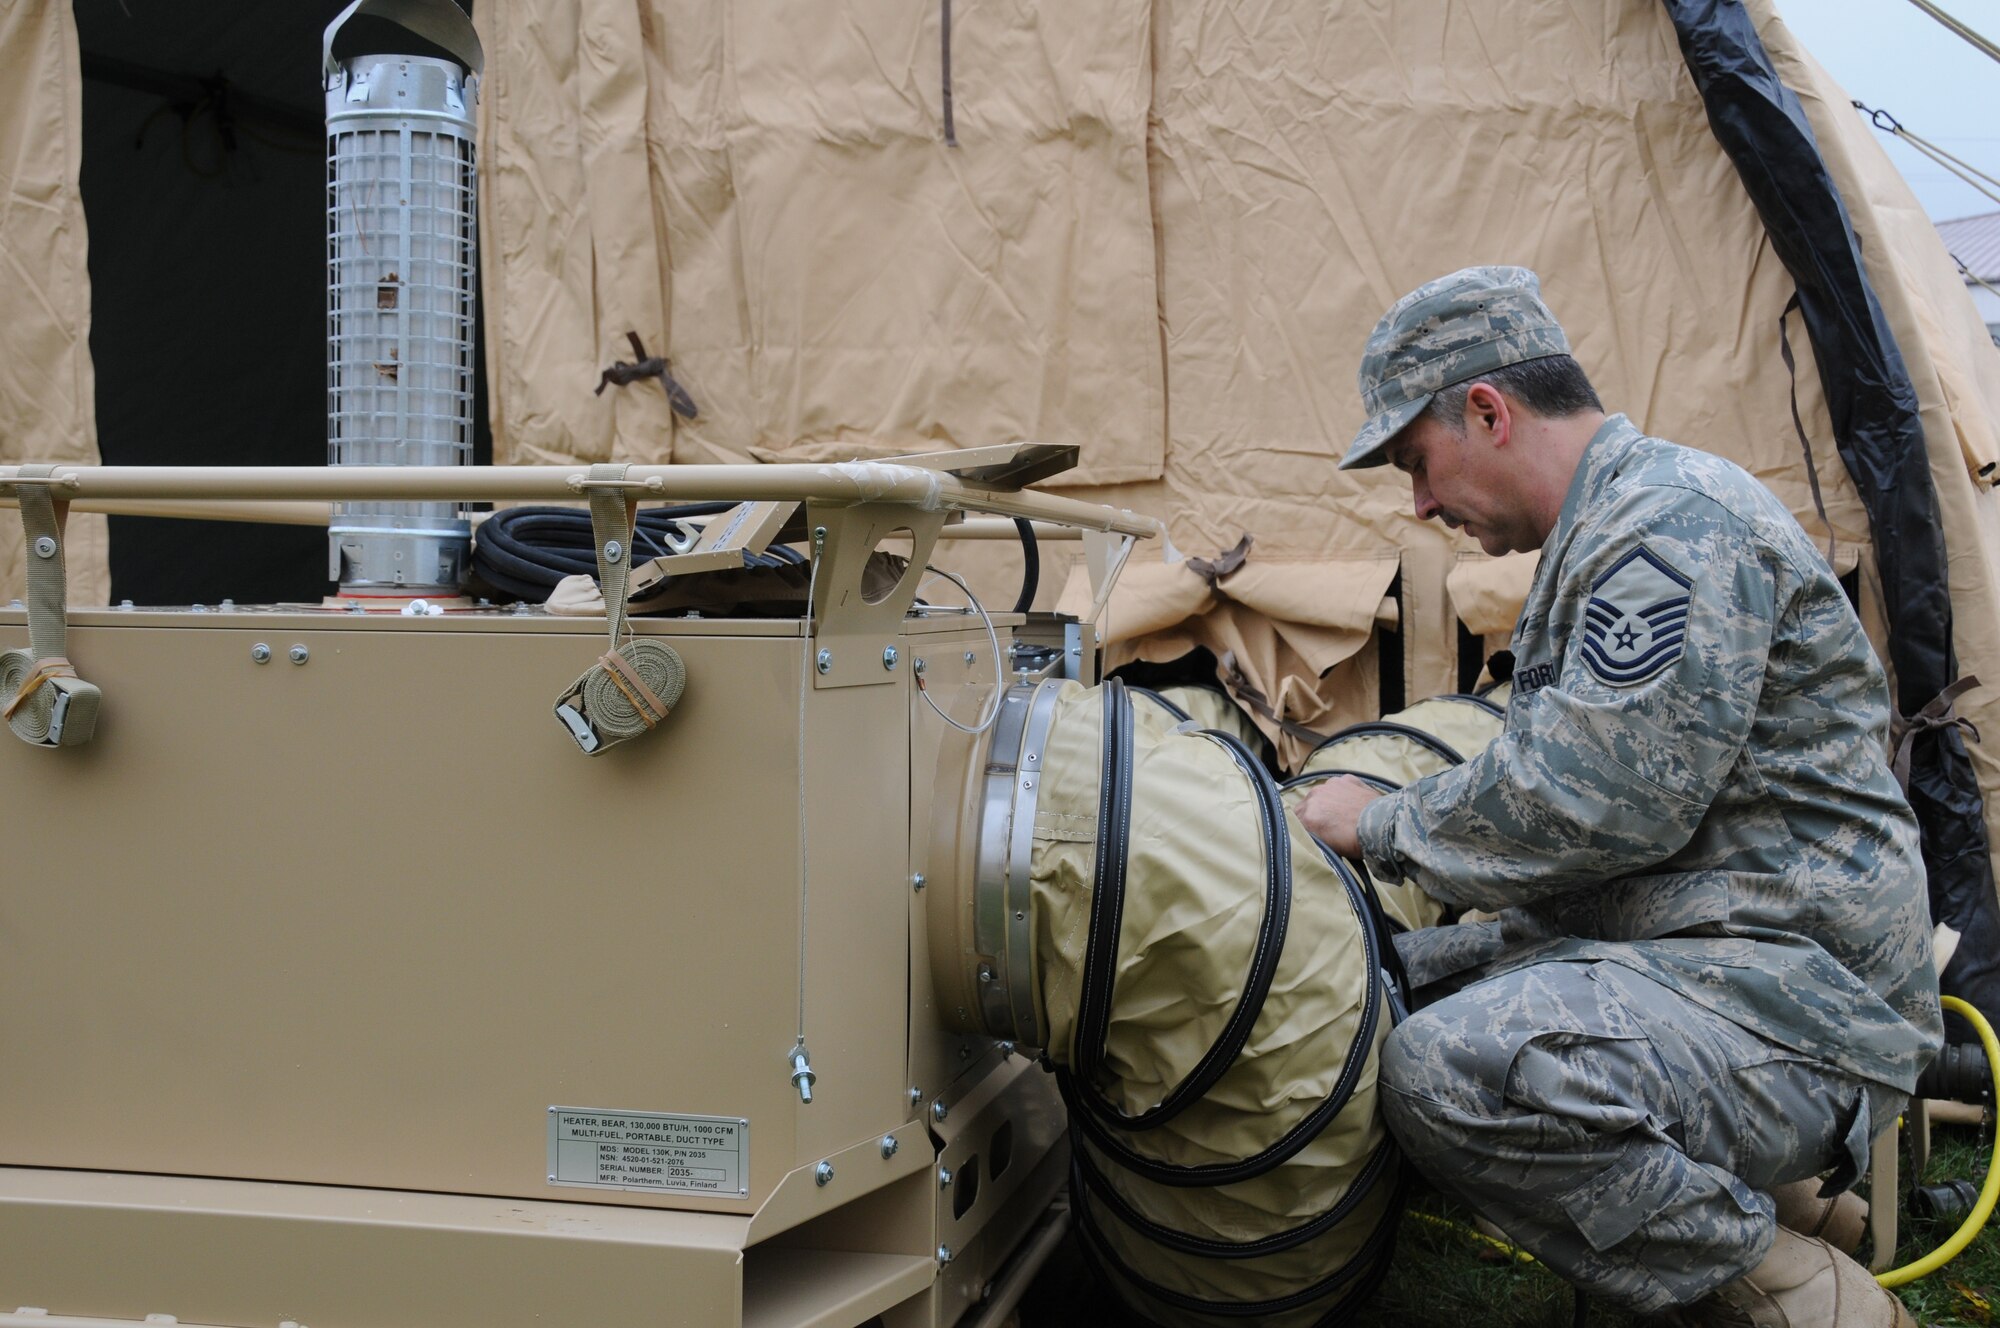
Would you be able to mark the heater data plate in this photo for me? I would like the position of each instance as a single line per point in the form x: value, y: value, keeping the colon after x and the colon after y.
x: 644, y: 1150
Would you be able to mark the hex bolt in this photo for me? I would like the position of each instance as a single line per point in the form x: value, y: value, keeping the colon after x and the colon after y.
x: 824, y: 660
x: 917, y: 883
x: 1006, y: 1049
x: 299, y: 655
x: 889, y: 657
x: 916, y: 1095
x: 822, y: 1174
x: 939, y: 1110
x: 889, y: 1145
x: 803, y: 1077
x: 45, y: 547
x: 943, y: 1255
x: 944, y: 1177
x: 613, y: 551
x: 260, y: 653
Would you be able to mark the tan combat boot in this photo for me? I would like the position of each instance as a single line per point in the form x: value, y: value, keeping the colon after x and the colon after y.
x: 1840, y: 1221
x: 1802, y: 1283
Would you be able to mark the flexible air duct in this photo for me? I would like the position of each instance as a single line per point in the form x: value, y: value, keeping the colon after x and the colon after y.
x: 1211, y: 988
x: 1206, y: 981
x: 1428, y: 738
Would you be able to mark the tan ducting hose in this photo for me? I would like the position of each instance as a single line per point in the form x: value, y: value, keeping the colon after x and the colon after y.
x: 1208, y: 987
x: 41, y: 697
x: 1428, y: 738
x: 633, y: 685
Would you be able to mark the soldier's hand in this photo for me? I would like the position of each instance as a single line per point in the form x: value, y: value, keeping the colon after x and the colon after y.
x: 1332, y: 811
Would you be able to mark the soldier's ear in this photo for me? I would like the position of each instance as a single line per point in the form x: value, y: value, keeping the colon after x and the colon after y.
x: 1486, y: 414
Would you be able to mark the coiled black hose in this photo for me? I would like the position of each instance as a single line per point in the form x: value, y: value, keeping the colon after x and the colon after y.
x: 522, y: 552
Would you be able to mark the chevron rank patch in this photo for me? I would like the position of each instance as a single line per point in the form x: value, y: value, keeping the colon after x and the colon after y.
x: 1636, y: 621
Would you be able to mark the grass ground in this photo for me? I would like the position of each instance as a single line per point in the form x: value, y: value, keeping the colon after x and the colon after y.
x: 1445, y: 1278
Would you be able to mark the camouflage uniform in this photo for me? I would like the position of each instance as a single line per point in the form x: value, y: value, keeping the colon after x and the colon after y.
x: 1711, y: 969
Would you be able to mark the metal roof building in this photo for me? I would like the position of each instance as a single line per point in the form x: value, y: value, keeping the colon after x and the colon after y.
x: 1975, y: 243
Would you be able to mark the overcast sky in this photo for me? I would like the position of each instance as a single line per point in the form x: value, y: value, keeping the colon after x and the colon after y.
x: 1895, y: 57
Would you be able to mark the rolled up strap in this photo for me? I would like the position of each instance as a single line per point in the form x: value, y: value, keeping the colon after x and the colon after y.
x: 633, y: 686
x: 1940, y: 713
x: 41, y: 671
x: 42, y: 699
x: 47, y: 705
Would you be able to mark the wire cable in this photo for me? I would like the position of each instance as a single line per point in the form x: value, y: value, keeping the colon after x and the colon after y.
x: 1989, y: 1193
x: 999, y: 668
x: 1963, y: 169
x: 1971, y: 38
x: 805, y: 686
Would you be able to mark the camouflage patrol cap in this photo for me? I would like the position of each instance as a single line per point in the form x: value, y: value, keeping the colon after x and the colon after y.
x: 1446, y: 331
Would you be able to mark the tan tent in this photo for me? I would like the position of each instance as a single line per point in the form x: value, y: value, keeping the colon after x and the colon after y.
x: 1158, y: 230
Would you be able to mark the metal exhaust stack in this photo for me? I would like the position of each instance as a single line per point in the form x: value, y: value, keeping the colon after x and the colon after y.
x: 401, y: 273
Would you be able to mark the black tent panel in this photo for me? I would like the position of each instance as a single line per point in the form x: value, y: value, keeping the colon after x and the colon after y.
x: 1760, y: 123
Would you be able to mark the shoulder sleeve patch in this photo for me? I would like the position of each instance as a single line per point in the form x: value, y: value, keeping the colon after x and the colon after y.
x: 1636, y: 622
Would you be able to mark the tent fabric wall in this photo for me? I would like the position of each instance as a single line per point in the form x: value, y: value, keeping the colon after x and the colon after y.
x: 1955, y: 376
x: 1310, y: 163
x: 764, y: 193
x: 47, y: 401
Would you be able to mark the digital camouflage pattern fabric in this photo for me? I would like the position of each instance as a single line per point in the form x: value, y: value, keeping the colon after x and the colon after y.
x: 1623, y: 1133
x: 1472, y: 322
x: 1696, y: 792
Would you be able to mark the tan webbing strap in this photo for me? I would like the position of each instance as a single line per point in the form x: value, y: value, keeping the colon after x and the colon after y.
x: 41, y: 697
x: 1941, y: 713
x: 627, y: 680
x: 633, y: 686
x: 612, y: 516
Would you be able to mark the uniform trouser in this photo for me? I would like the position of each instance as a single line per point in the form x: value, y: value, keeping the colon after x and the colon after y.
x: 1617, y: 1130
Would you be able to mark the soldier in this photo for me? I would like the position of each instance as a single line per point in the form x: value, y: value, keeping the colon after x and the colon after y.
x: 1710, y: 973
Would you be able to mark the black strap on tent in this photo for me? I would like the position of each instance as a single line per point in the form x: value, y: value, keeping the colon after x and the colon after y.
x: 1212, y: 570
x: 1873, y: 405
x: 1244, y: 691
x: 623, y: 373
x: 1799, y: 426
x: 944, y: 59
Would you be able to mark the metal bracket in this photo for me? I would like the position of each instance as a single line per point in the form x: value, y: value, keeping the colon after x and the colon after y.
x: 1104, y: 556
x: 851, y: 629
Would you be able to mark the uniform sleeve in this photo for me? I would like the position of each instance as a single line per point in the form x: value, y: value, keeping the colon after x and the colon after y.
x: 1610, y: 768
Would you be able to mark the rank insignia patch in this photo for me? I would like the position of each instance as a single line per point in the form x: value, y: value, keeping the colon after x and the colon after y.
x: 1636, y: 621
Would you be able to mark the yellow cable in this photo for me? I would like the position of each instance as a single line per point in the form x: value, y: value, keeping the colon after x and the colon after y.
x: 1989, y: 1193
x: 1518, y: 1254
